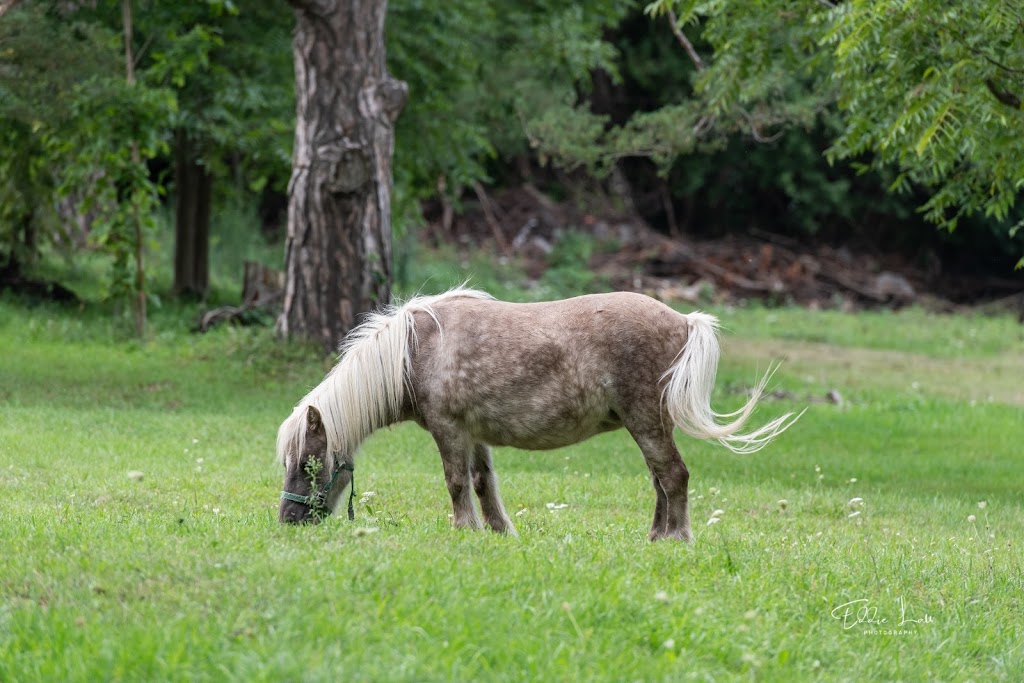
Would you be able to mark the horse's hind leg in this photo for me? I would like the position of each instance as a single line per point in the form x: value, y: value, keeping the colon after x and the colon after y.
x: 456, y: 452
x: 660, y: 509
x: 485, y: 483
x: 671, y: 479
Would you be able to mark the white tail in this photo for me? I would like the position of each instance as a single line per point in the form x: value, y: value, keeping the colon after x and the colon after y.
x: 687, y: 395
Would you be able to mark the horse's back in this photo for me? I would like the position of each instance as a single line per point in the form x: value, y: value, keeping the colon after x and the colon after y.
x: 627, y: 312
x: 543, y: 375
x: 618, y: 323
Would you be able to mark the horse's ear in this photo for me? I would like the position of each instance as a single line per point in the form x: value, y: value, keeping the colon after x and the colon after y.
x: 314, y: 422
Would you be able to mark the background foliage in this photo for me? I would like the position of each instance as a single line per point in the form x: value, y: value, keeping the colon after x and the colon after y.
x: 924, y: 92
x: 848, y: 122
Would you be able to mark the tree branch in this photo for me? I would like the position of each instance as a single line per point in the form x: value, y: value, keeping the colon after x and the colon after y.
x: 1007, y: 98
x: 962, y: 39
x: 7, y: 5
x: 755, y: 131
x: 492, y: 219
x: 998, y: 64
x: 684, y: 41
x: 318, y: 7
x: 704, y: 124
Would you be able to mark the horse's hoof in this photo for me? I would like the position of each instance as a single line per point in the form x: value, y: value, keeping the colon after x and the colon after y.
x: 677, y: 535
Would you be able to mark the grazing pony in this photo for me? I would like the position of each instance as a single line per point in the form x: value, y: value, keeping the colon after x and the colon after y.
x: 476, y: 372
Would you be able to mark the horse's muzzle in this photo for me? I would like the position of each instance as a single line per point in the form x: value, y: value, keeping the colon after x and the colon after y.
x: 296, y: 513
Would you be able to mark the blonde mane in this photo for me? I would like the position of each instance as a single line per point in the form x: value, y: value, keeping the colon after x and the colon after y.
x: 366, y: 388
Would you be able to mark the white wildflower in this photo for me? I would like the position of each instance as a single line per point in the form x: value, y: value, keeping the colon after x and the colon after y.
x: 982, y: 504
x: 972, y: 519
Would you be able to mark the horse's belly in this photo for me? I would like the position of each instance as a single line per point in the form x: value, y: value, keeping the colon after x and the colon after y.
x: 539, y: 427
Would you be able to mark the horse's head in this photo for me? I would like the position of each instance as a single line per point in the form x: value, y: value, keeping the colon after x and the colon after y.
x: 313, y: 482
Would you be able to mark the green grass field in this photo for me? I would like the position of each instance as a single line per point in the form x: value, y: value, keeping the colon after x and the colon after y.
x: 876, y: 540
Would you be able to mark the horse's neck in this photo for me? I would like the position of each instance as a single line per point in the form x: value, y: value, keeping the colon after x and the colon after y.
x: 350, y: 440
x: 364, y: 393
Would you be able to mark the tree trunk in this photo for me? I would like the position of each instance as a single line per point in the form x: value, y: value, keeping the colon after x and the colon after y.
x: 140, y: 272
x: 338, y: 248
x: 192, y: 220
x: 22, y: 254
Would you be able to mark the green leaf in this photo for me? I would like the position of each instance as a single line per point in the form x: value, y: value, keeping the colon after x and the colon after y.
x: 929, y: 133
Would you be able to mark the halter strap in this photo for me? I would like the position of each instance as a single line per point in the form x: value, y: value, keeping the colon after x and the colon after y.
x: 317, y: 500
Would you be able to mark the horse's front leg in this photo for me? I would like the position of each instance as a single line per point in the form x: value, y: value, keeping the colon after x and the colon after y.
x: 456, y: 452
x: 485, y: 483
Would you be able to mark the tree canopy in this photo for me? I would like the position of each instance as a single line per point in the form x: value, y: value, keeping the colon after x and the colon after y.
x: 935, y: 90
x: 926, y: 91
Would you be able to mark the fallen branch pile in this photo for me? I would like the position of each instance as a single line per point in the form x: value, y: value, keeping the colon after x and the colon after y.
x: 262, y: 291
x: 524, y: 223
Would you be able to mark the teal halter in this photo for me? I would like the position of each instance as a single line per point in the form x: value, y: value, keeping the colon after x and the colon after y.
x: 317, y: 501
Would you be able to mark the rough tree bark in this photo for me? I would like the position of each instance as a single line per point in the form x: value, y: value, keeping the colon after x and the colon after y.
x: 192, y: 220
x: 338, y: 248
